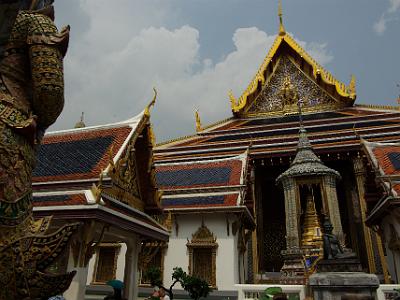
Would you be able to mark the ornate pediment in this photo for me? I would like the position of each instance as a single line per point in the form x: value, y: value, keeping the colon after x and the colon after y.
x: 287, y: 85
x: 125, y: 177
x: 287, y: 62
x: 203, y: 237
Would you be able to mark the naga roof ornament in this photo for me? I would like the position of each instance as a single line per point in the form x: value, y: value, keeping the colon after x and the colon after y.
x: 151, y: 104
x: 198, y: 121
x: 287, y: 57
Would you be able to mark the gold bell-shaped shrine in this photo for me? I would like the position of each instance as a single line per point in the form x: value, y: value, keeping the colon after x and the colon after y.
x: 312, y: 235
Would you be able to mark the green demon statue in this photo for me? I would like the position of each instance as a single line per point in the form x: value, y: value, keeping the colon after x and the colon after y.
x: 31, y: 99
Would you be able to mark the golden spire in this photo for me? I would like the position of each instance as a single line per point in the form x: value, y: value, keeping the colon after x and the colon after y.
x: 352, y: 85
x: 151, y: 104
x: 281, y: 27
x: 198, y: 122
x: 81, y: 123
x: 312, y: 230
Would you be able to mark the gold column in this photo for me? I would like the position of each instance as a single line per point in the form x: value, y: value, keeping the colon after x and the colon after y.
x: 359, y: 172
x: 291, y: 212
x: 329, y: 190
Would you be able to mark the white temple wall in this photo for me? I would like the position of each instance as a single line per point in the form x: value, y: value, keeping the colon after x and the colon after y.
x: 227, y: 254
x: 392, y: 257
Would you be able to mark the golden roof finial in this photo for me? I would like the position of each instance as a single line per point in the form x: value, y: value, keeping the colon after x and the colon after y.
x: 151, y: 104
x: 398, y: 98
x: 352, y: 85
x: 81, y: 123
x: 281, y: 27
x: 198, y: 122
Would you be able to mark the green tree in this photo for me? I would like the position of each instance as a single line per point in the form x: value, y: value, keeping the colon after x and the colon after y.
x: 195, y: 287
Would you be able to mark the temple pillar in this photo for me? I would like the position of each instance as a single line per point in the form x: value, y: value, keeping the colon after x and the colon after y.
x: 293, y: 269
x: 359, y: 173
x: 292, y: 213
x: 77, y: 288
x: 329, y: 190
x: 131, y: 279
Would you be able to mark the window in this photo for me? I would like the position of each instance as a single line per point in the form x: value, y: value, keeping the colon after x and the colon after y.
x: 202, y: 255
x: 106, y: 263
x: 202, y: 264
x: 151, y: 256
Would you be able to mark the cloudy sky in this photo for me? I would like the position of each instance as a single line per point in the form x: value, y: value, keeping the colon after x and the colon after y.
x: 195, y: 51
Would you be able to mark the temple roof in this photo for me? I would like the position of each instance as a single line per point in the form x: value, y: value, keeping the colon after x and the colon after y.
x: 211, y: 183
x: 285, y: 47
x: 81, y: 205
x: 217, y: 185
x: 337, y: 130
x: 102, y: 173
x: 385, y: 159
x: 82, y: 153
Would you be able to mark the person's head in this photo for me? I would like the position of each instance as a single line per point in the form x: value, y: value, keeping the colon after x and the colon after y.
x: 162, y: 292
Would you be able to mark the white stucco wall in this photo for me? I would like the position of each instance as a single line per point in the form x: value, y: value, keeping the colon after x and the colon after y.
x: 227, y: 253
x: 392, y: 257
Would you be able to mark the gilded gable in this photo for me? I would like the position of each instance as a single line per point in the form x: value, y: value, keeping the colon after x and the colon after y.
x: 287, y: 85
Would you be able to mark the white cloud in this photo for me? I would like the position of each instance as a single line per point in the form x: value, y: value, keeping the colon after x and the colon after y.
x: 111, y: 69
x: 380, y: 25
x: 394, y: 5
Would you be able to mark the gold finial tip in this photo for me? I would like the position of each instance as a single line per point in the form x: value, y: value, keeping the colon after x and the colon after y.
x: 281, y: 27
x: 198, y: 121
x: 81, y: 123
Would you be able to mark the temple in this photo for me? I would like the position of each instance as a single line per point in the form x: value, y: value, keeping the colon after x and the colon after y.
x: 297, y: 138
x: 103, y: 178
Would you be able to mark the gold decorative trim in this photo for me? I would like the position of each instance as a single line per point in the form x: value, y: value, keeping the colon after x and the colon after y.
x: 117, y: 249
x: 204, y: 238
x: 198, y: 121
x: 318, y: 72
x: 374, y: 106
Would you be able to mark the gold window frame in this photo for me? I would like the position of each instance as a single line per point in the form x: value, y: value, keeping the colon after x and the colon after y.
x: 204, y: 238
x: 117, y: 248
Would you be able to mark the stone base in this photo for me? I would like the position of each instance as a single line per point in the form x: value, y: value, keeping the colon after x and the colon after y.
x: 293, y: 270
x: 339, y: 265
x: 343, y: 285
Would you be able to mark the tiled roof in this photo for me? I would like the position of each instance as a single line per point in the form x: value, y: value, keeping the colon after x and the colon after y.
x: 79, y: 154
x: 212, y: 173
x: 59, y: 200
x: 205, y: 184
x: 385, y: 157
x: 218, y: 173
x: 278, y: 136
x: 201, y: 201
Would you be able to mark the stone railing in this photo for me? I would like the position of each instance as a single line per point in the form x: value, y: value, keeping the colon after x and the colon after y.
x: 387, y: 291
x: 254, y: 291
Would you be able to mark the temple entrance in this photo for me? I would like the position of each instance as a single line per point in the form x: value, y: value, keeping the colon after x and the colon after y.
x: 270, y: 218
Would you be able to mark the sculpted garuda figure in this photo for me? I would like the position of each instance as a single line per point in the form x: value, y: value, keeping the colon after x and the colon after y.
x: 31, y: 99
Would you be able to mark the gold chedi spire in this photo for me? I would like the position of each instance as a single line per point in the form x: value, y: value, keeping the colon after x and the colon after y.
x: 312, y: 229
x: 281, y: 27
x: 81, y: 123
